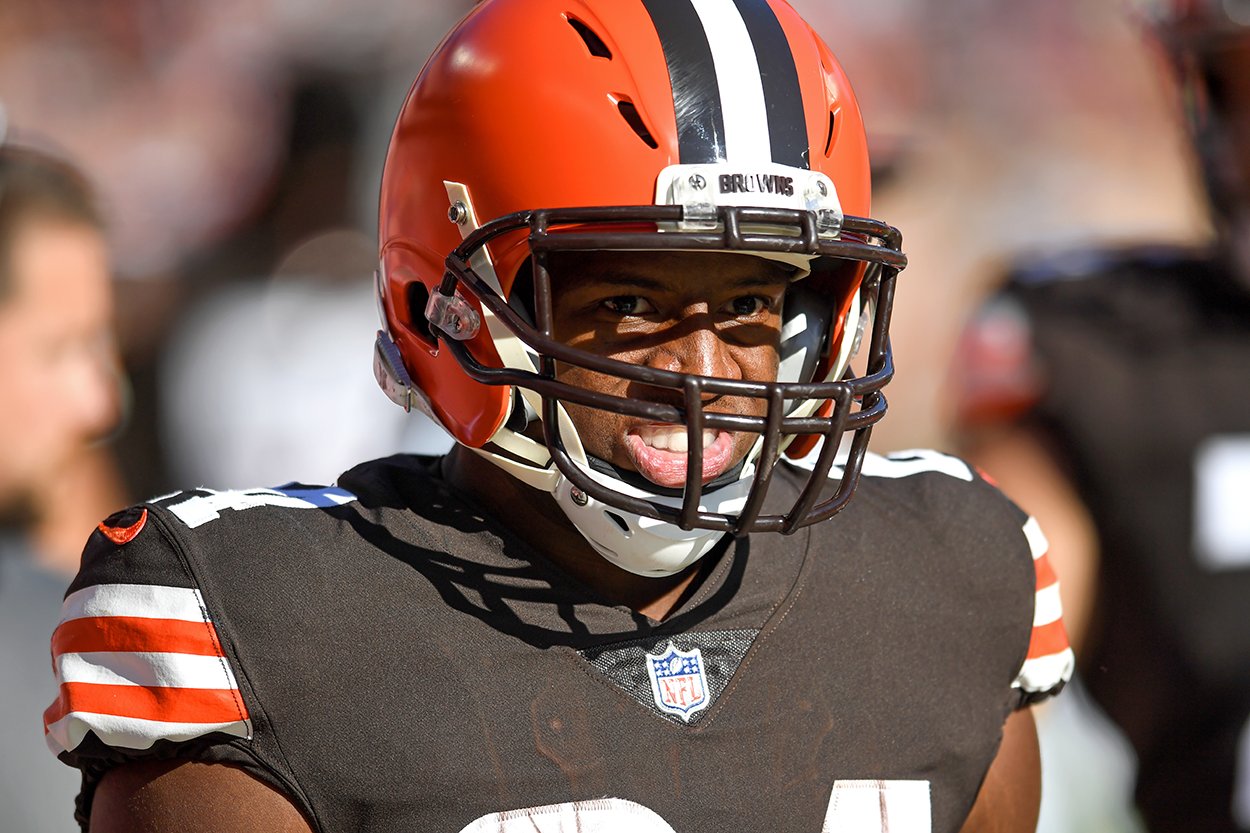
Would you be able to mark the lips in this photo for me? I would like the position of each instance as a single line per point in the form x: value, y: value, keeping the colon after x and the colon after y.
x: 659, y: 452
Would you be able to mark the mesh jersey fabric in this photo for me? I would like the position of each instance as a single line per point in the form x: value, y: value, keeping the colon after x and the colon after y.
x: 391, y: 659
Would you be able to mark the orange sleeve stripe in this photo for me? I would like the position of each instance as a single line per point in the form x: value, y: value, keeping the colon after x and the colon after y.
x: 128, y: 633
x: 1045, y: 573
x: 1048, y: 639
x: 168, y: 705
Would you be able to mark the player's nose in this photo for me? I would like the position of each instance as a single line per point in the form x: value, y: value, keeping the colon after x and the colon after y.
x: 698, y: 349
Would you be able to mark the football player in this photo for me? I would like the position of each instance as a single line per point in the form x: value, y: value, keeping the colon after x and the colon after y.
x: 1063, y: 379
x: 626, y: 262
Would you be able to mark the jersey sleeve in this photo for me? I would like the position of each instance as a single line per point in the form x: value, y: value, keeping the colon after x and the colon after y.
x: 1050, y: 661
x: 137, y: 656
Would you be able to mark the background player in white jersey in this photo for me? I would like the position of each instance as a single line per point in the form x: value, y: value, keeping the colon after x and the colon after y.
x: 626, y: 263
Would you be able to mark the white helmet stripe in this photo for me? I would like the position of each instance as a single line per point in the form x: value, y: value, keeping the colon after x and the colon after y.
x: 736, y: 92
x: 743, y: 111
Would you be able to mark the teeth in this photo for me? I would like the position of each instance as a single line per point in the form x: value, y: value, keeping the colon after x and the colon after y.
x: 672, y: 437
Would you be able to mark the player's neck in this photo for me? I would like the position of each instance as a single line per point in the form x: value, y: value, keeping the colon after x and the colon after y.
x: 534, y: 517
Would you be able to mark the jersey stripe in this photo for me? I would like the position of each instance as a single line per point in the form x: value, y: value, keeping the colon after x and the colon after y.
x: 132, y: 733
x: 1037, y: 541
x: 1047, y: 606
x: 1050, y: 662
x: 1046, y: 575
x: 138, y: 600
x: 176, y: 705
x: 787, y: 122
x: 1048, y: 639
x: 136, y: 661
x: 121, y: 633
x: 692, y: 74
x: 899, y: 464
x: 144, y: 669
x: 198, y: 510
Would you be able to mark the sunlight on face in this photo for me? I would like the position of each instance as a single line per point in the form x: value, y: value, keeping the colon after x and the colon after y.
x: 707, y: 314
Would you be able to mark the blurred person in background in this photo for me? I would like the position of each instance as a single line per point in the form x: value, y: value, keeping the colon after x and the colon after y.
x: 59, y: 394
x: 193, y: 119
x: 1108, y: 391
x: 259, y: 380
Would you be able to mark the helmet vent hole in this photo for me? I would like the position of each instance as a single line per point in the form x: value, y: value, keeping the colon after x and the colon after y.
x: 630, y: 113
x: 418, y: 296
x: 593, y: 42
x: 619, y: 521
x: 833, y: 132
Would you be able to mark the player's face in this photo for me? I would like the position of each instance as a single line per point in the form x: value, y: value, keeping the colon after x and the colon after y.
x: 57, y: 368
x: 709, y: 314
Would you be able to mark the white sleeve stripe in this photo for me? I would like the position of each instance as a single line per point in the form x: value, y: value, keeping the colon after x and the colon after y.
x: 1037, y: 541
x: 145, y: 601
x: 131, y: 732
x: 915, y: 461
x: 1044, y: 673
x: 1047, y: 607
x: 150, y: 670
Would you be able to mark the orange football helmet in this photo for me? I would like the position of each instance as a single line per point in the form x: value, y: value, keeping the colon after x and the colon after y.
x: 543, y: 125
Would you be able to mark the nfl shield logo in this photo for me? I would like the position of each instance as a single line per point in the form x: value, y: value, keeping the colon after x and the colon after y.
x: 678, y: 681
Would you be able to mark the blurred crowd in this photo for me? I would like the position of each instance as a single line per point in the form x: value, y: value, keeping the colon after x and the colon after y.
x: 235, y: 148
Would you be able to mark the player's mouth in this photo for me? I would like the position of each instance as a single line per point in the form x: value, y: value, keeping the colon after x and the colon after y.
x: 659, y: 452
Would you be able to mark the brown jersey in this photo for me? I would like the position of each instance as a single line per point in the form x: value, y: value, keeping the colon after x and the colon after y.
x: 392, y: 659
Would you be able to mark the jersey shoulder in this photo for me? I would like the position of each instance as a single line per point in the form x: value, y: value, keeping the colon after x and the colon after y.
x: 136, y: 653
x: 145, y: 650
x: 944, y: 508
x: 139, y: 653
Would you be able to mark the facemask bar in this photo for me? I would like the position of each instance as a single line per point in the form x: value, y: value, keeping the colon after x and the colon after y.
x: 739, y: 229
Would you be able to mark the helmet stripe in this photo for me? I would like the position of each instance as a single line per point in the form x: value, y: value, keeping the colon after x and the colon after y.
x: 787, y: 123
x: 738, y: 79
x: 737, y: 45
x: 692, y: 74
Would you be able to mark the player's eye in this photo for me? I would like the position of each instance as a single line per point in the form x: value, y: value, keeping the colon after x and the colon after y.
x: 749, y: 305
x: 628, y: 305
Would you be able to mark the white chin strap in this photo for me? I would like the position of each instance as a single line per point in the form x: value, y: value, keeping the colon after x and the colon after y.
x: 637, y: 544
x: 644, y: 546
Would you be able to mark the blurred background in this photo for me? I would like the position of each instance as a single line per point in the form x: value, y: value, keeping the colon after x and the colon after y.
x: 237, y: 146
